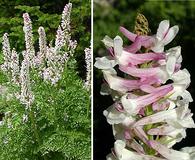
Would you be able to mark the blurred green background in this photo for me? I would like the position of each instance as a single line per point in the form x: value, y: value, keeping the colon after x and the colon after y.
x: 108, y: 16
x: 46, y: 13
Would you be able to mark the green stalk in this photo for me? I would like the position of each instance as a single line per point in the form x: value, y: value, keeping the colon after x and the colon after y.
x: 34, y: 127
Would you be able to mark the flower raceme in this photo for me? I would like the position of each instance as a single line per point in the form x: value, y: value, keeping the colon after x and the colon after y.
x: 150, y: 114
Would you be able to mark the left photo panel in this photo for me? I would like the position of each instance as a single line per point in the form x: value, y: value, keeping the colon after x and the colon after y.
x: 45, y: 80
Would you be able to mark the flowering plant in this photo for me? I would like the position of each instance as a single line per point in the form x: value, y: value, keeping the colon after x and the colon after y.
x: 45, y: 104
x: 150, y: 112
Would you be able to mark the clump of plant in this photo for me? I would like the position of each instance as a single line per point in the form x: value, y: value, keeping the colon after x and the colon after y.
x: 151, y: 111
x: 45, y: 104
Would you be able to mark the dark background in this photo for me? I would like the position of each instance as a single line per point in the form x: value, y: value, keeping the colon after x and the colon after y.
x: 108, y: 16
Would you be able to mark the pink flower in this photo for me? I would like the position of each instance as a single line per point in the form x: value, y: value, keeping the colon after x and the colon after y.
x: 156, y: 42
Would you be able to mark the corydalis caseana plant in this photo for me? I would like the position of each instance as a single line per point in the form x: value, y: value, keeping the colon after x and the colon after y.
x: 149, y: 115
x: 45, y: 103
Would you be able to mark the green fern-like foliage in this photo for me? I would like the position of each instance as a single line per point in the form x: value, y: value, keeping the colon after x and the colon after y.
x: 58, y: 125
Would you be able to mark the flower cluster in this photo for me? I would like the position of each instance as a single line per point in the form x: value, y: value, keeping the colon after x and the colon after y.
x: 88, y: 67
x: 26, y: 96
x: 30, y: 51
x: 15, y: 67
x: 49, y: 61
x: 150, y: 113
x: 6, y: 53
x: 57, y: 56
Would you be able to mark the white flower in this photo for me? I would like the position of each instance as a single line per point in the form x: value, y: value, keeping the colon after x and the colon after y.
x: 190, y: 150
x: 164, y: 35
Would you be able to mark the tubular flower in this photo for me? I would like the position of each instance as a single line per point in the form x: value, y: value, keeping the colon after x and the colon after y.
x: 149, y: 114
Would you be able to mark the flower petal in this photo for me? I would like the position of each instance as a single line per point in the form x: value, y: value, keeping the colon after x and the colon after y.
x: 170, y: 154
x: 105, y: 63
x: 170, y: 66
x: 118, y: 46
x: 131, y: 36
x: 113, y: 116
x: 111, y: 157
x: 120, y: 84
x: 181, y: 77
x: 123, y: 154
x: 129, y: 58
x: 190, y: 150
x: 108, y: 42
x: 162, y: 29
x: 157, y: 117
x: 135, y: 46
x: 172, y: 32
x: 165, y: 130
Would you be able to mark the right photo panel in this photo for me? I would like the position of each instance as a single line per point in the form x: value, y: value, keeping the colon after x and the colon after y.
x: 143, y: 85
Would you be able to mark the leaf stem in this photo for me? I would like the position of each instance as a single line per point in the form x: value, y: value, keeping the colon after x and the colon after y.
x: 35, y: 129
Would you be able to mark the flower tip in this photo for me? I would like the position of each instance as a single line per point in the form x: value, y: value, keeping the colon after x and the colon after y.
x: 105, y: 113
x: 25, y: 15
x: 121, y: 28
x: 165, y: 21
x: 118, y: 38
x: 5, y: 35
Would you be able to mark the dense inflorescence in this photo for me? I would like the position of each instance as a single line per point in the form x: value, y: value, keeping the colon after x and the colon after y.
x: 150, y: 112
x: 44, y: 101
x: 88, y: 67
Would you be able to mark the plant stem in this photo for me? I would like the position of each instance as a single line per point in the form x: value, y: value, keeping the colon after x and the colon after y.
x: 34, y: 127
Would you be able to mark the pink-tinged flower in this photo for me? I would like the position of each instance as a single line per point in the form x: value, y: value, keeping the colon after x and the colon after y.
x: 116, y: 115
x: 179, y: 117
x: 173, y: 59
x: 122, y: 132
x: 124, y: 57
x: 146, y: 41
x: 132, y: 105
x: 136, y: 146
x: 124, y: 85
x: 159, y: 106
x: 169, y: 154
x: 167, y: 130
x: 121, y: 153
x: 164, y: 35
x: 158, y: 73
x: 181, y: 81
x: 156, y: 42
x: 139, y: 132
